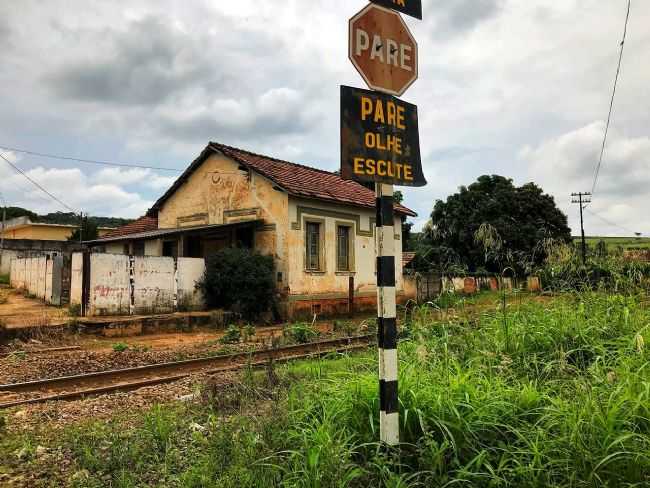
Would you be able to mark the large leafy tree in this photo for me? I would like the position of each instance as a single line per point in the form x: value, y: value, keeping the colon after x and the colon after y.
x: 492, y: 224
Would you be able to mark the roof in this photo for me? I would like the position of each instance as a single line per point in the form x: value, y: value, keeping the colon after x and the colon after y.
x: 150, y: 234
x: 295, y: 179
x: 143, y: 224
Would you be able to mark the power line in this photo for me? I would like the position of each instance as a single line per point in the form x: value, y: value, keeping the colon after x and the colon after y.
x: 35, y: 183
x: 90, y: 161
x: 609, y: 222
x: 611, y: 103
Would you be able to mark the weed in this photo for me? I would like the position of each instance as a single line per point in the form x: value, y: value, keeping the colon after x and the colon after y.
x: 232, y: 335
x: 248, y: 332
x: 120, y: 347
x: 74, y: 310
x: 558, y: 398
x: 301, y: 332
x: 345, y: 326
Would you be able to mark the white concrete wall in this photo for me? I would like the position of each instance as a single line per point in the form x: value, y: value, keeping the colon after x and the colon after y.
x: 49, y: 276
x: 8, y: 255
x: 109, y: 285
x: 189, y: 272
x: 138, y: 285
x: 153, y: 285
x: 76, y: 278
x: 33, y: 275
x: 17, y: 273
x: 40, y: 277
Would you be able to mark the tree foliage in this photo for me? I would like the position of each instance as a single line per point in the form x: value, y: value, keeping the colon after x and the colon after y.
x: 88, y: 231
x: 240, y: 280
x: 64, y: 218
x: 492, y: 224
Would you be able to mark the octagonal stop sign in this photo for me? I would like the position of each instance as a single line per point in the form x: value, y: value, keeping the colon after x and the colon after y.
x: 383, y: 50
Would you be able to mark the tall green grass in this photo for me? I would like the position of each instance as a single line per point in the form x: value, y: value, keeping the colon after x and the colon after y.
x: 546, y: 394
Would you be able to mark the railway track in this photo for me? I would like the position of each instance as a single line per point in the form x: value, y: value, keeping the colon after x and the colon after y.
x: 50, y: 350
x: 88, y: 384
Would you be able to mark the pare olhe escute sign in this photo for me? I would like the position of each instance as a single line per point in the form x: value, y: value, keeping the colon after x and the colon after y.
x: 383, y: 50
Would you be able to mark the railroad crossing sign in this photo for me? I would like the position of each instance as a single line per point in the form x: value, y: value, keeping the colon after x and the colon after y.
x: 380, y: 139
x: 408, y: 7
x: 383, y: 50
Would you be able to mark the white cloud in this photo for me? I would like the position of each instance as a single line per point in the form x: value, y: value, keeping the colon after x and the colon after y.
x: 565, y: 164
x: 73, y: 188
x: 133, y: 176
x: 155, y: 82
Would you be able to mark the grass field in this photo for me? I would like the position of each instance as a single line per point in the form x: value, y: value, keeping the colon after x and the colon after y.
x: 551, y: 392
x: 615, y: 242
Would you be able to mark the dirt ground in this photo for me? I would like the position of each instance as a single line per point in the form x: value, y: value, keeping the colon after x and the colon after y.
x: 18, y: 311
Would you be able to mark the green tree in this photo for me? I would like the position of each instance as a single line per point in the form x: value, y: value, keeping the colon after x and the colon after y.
x: 88, y: 231
x: 407, y: 244
x: 519, y: 219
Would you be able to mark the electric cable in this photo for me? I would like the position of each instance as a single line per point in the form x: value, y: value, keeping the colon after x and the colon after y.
x: 36, y: 184
x: 89, y: 161
x: 611, y: 103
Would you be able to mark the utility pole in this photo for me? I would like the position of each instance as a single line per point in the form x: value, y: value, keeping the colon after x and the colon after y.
x: 2, y: 233
x: 81, y: 227
x: 583, y: 198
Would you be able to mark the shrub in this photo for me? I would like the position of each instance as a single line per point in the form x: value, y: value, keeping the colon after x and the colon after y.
x: 232, y: 335
x: 248, y: 332
x: 120, y: 347
x: 239, y: 280
x: 301, y: 333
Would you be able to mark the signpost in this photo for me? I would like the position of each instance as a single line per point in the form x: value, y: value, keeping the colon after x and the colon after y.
x: 407, y: 7
x: 380, y: 140
x: 380, y: 143
x: 383, y: 50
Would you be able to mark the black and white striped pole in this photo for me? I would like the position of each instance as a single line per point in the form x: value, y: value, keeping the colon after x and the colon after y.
x: 380, y: 143
x: 386, y: 316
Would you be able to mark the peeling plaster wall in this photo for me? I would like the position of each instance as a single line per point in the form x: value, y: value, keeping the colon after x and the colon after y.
x: 109, y: 285
x: 36, y: 276
x: 220, y: 193
x: 189, y: 272
x: 137, y: 285
x: 329, y: 283
x: 153, y: 288
x: 76, y: 278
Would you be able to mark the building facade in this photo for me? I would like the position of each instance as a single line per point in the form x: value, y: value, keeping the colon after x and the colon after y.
x: 319, y: 228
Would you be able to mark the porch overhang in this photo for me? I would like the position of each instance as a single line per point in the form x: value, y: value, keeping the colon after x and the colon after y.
x: 176, y: 231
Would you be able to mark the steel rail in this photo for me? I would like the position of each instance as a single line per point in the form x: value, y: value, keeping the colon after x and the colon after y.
x: 117, y: 380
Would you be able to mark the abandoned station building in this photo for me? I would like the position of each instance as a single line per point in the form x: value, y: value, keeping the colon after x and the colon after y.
x: 319, y: 227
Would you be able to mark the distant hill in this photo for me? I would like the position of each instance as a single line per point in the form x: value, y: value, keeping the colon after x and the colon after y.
x: 65, y: 218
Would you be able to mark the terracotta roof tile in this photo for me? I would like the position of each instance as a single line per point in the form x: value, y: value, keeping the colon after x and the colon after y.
x: 143, y: 224
x: 305, y: 181
x: 296, y: 179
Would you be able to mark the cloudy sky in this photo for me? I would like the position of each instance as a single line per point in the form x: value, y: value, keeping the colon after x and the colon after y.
x: 506, y: 87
